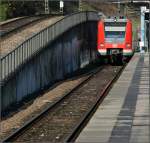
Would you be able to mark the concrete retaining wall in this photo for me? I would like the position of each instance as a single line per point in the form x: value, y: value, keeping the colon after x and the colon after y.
x: 69, y: 52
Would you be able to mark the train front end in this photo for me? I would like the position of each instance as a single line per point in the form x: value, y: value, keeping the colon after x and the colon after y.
x: 115, y: 38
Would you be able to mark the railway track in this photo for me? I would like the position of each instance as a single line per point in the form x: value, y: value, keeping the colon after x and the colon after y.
x: 63, y: 120
x: 10, y: 41
x: 13, y: 26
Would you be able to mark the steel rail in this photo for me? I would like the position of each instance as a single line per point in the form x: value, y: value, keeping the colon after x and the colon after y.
x: 13, y: 20
x: 84, y: 120
x: 15, y: 29
x: 8, y: 23
x: 21, y: 130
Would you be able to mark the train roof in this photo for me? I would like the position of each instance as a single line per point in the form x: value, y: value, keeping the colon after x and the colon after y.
x: 115, y: 20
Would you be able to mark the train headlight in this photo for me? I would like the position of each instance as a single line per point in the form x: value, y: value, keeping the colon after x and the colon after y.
x: 128, y: 45
x: 102, y: 45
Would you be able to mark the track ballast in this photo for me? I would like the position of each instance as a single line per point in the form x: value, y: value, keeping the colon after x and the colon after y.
x: 59, y: 122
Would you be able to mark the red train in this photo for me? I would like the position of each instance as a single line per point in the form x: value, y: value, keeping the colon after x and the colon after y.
x: 115, y: 39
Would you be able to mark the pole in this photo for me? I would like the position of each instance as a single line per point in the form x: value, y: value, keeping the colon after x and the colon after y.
x: 118, y: 7
x: 61, y: 5
x: 125, y: 10
x: 80, y: 5
x: 46, y: 7
x: 149, y: 31
x: 142, y: 29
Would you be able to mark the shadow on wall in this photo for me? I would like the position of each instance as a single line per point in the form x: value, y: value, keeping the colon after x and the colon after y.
x: 71, y: 51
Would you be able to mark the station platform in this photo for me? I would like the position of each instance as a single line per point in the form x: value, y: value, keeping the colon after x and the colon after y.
x: 124, y: 115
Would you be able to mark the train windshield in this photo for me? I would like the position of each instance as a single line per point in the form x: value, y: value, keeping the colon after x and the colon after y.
x: 115, y: 33
x: 114, y: 36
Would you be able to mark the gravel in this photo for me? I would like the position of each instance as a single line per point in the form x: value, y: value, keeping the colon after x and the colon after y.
x: 10, y: 124
x: 56, y: 124
x: 10, y: 43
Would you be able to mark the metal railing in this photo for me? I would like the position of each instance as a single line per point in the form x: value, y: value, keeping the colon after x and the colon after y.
x: 12, y: 61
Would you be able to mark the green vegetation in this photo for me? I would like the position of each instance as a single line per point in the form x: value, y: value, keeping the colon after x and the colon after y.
x: 3, y: 11
x: 11, y: 9
x: 136, y: 24
x: 133, y: 13
x: 87, y: 7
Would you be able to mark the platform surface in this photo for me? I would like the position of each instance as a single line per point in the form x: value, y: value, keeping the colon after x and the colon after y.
x: 124, y: 115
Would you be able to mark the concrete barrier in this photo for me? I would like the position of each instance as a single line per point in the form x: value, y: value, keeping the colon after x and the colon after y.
x: 68, y: 53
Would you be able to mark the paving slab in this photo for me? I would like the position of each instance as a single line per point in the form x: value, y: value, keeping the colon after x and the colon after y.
x: 123, y: 117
